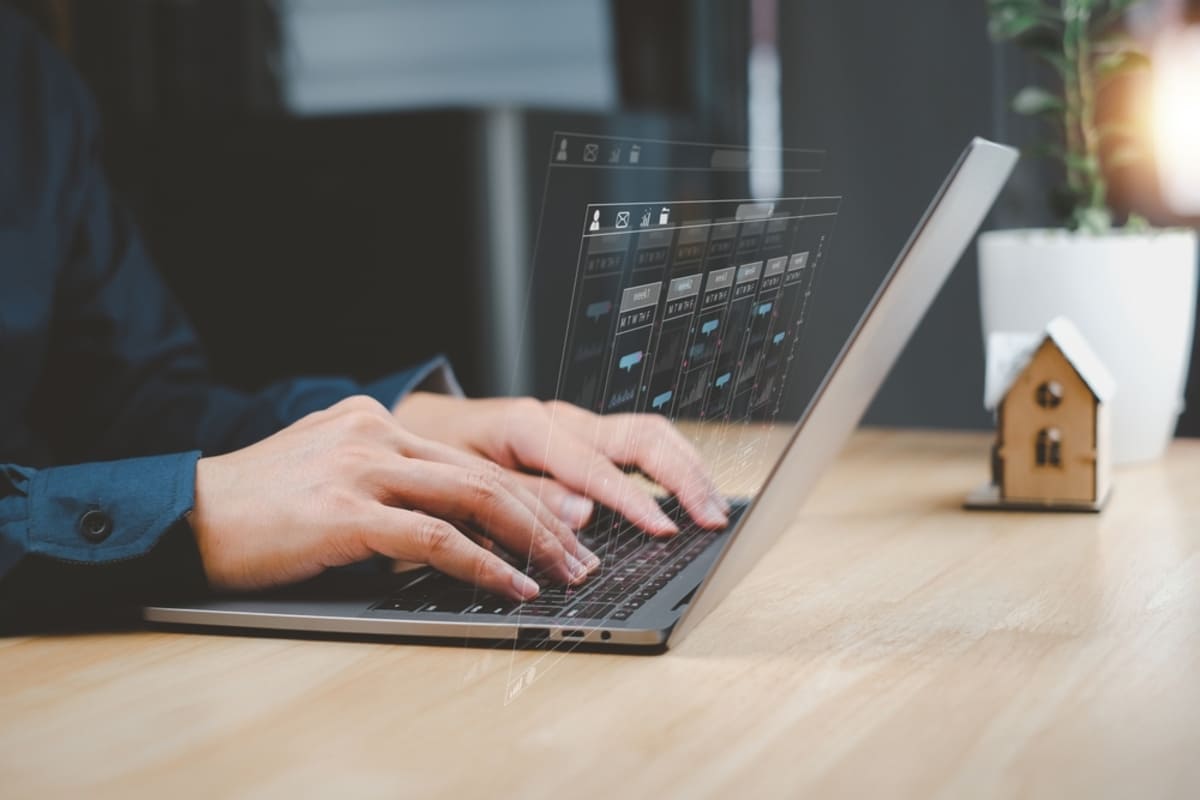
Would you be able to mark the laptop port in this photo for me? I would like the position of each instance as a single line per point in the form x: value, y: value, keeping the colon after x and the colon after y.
x: 573, y: 634
x: 533, y: 634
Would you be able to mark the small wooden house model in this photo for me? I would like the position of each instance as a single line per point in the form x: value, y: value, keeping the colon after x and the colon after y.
x: 1049, y: 392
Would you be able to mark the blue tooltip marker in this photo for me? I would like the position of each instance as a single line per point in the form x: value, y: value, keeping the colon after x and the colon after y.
x: 597, y: 310
x: 628, y: 362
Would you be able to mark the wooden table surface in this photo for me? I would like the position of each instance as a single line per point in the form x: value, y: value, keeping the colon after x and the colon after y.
x: 891, y: 645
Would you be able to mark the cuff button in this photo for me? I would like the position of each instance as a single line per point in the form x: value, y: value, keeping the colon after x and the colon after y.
x: 95, y: 525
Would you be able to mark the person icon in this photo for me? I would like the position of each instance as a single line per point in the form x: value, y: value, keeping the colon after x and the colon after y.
x: 595, y: 226
x: 562, y: 151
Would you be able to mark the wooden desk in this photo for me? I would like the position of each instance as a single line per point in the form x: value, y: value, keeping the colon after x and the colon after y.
x: 892, y: 645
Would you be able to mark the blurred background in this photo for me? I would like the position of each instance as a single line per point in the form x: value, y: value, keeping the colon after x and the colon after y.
x: 347, y: 186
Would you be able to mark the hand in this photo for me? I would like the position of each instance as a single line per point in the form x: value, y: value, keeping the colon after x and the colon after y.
x: 579, y: 450
x: 349, y: 482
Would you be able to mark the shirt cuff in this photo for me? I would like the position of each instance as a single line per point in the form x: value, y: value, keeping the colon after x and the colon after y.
x: 86, y: 541
x: 110, y: 511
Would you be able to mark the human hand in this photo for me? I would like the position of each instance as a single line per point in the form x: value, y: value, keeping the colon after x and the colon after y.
x: 349, y: 482
x: 579, y: 450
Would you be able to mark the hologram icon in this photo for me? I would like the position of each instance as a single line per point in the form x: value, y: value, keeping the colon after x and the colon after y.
x: 597, y: 310
x: 591, y: 152
x: 630, y: 360
x: 561, y: 155
x: 635, y: 154
x: 614, y: 155
x: 664, y: 216
x: 646, y: 216
x: 595, y: 226
x: 622, y: 219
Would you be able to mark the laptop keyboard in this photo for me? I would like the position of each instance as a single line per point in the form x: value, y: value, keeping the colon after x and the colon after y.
x: 634, y: 567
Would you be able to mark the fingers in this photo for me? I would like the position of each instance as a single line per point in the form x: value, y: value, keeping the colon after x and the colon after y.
x: 562, y: 530
x: 412, y: 536
x: 483, y: 497
x: 571, y: 508
x: 652, y: 444
x: 450, y: 483
x: 655, y: 446
x: 582, y: 468
x: 434, y: 451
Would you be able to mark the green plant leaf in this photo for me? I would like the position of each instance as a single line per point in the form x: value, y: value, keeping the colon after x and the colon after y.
x: 1091, y: 219
x: 1117, y: 41
x: 1136, y: 223
x: 1120, y: 62
x: 1012, y: 25
x: 1085, y: 164
x: 1033, y: 100
x: 1012, y: 19
x: 1055, y: 58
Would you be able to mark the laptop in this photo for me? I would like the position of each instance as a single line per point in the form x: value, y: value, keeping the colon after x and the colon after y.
x: 650, y: 592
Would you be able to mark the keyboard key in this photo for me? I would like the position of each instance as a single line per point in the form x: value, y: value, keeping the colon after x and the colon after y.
x: 528, y: 610
x: 594, y: 610
x: 409, y: 603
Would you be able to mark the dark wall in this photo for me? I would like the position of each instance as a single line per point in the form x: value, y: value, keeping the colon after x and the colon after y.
x: 334, y: 246
x: 894, y: 91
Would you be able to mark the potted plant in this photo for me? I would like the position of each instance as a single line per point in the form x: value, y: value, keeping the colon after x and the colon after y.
x: 1131, y: 290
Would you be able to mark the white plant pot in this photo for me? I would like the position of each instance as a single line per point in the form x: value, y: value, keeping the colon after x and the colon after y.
x: 1133, y: 296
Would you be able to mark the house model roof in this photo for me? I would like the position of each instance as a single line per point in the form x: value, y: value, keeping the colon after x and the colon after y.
x: 1008, y: 354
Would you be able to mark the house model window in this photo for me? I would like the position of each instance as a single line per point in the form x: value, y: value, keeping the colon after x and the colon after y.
x: 1049, y: 394
x: 1049, y: 447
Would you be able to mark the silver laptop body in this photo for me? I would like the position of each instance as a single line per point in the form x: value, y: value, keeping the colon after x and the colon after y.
x: 349, y: 603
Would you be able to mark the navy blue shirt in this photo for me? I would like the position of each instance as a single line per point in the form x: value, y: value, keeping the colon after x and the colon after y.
x: 105, y: 399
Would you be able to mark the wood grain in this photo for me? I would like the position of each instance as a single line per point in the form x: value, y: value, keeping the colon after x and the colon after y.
x: 891, y: 646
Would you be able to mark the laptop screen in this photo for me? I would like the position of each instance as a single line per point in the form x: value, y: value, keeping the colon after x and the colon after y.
x: 679, y: 279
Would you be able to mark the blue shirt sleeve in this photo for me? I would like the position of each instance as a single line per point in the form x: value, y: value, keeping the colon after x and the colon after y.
x: 89, y: 538
x: 118, y: 387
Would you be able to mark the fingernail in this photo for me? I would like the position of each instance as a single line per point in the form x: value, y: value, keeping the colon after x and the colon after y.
x: 662, y: 522
x: 590, y: 559
x: 525, y: 586
x: 723, y: 503
x: 576, y: 510
x: 575, y: 567
x: 714, y: 515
